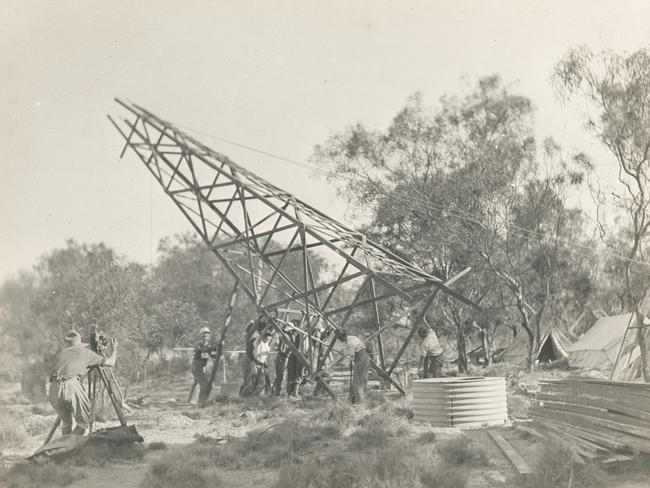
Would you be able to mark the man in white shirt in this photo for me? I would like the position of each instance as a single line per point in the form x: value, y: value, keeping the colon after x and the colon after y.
x: 355, y: 349
x: 258, y: 366
x: 431, y: 359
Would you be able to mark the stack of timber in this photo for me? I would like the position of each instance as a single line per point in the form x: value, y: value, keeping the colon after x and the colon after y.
x: 460, y: 402
x: 600, y: 420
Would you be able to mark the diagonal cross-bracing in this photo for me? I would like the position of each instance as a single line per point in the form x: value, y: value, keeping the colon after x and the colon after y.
x: 278, y: 236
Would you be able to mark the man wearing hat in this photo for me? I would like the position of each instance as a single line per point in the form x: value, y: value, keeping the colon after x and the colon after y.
x: 431, y: 358
x: 67, y: 395
x: 355, y: 349
x: 203, y: 350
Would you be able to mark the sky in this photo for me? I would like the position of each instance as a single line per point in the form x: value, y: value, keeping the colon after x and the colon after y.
x: 281, y: 76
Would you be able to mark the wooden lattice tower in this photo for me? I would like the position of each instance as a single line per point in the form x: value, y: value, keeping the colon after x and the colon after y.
x: 236, y: 211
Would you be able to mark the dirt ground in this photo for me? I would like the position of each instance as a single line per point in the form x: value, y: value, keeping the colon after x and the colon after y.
x: 164, y: 416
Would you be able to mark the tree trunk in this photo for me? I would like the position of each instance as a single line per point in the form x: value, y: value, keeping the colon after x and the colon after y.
x: 462, y: 351
x: 531, y: 349
x: 487, y: 354
x: 641, y: 342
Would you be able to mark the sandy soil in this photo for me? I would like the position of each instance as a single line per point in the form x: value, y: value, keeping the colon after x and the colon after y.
x: 165, y: 416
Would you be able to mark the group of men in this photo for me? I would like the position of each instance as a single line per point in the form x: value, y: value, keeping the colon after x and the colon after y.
x: 70, y: 400
x: 255, y: 367
x: 255, y: 364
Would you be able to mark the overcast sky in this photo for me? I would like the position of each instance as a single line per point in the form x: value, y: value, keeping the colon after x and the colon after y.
x: 280, y: 76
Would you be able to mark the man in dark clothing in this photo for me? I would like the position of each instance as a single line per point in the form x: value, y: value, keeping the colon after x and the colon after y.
x: 294, y: 366
x: 203, y: 350
x: 67, y: 395
x: 283, y: 351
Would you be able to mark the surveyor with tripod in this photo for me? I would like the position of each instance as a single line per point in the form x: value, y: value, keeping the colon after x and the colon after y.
x: 66, y: 393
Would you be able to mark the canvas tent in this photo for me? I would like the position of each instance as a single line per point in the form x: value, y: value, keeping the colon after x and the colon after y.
x: 598, y: 347
x: 553, y: 345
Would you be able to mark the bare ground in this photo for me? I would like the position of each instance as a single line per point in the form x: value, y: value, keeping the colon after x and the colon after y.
x: 164, y: 416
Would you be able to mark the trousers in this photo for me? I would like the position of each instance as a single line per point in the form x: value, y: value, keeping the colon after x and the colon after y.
x: 280, y: 364
x: 432, y: 367
x: 70, y: 401
x: 294, y: 374
x: 360, y: 376
x: 202, y: 378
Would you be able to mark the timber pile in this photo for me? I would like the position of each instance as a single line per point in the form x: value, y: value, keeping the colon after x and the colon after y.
x: 600, y: 420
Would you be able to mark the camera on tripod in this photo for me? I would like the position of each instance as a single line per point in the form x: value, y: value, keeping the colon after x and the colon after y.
x: 98, y: 340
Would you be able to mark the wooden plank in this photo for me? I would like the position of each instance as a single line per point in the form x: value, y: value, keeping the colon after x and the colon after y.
x: 619, y: 405
x: 597, y: 412
x: 611, y: 439
x: 585, y: 448
x: 598, y: 423
x: 530, y: 431
x: 517, y: 461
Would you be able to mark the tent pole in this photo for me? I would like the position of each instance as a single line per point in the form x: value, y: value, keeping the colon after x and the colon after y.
x: 620, y: 348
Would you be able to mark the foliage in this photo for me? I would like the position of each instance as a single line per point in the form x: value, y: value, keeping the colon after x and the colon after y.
x: 616, y: 89
x: 461, y: 450
x: 146, y: 310
x: 464, y: 184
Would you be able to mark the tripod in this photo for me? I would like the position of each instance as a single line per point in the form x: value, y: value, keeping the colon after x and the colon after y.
x: 106, y: 375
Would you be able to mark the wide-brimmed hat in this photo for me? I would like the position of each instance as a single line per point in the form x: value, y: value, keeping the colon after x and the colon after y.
x: 73, y: 338
x: 203, y: 330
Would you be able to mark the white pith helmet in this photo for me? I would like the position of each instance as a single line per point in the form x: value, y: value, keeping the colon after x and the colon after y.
x: 203, y: 330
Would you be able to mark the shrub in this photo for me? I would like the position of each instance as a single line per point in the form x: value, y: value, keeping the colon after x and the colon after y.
x: 286, y: 440
x: 340, y: 413
x: 460, y: 450
x: 376, y: 430
x: 101, y: 453
x: 391, y: 468
x: 445, y: 476
x: 555, y: 467
x: 30, y: 475
x: 427, y: 437
x: 156, y: 446
x: 178, y: 475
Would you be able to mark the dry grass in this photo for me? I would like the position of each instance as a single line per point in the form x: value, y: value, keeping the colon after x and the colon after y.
x: 289, y: 441
x: 156, y: 446
x: 174, y: 473
x: 461, y: 451
x: 102, y: 453
x: 555, y: 467
x: 377, y: 430
x: 38, y: 424
x: 394, y: 467
x: 30, y: 475
x: 12, y: 435
x: 445, y: 476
